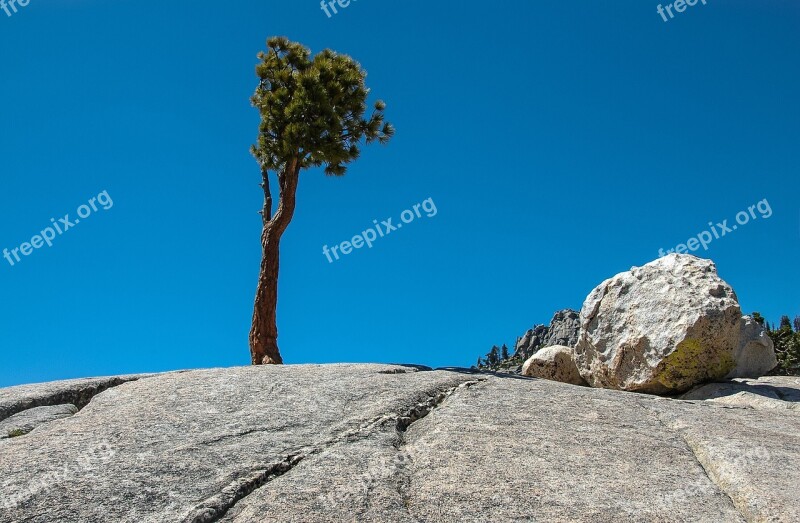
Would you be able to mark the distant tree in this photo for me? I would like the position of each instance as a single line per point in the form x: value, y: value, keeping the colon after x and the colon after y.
x: 797, y: 323
x: 504, y: 352
x: 312, y: 115
x: 758, y: 318
x: 494, y: 356
x: 480, y: 363
x: 787, y: 348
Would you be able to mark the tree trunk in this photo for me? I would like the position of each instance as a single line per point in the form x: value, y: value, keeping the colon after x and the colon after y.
x: 264, y: 331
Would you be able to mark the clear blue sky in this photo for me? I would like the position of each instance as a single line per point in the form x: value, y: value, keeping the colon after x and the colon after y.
x: 562, y: 143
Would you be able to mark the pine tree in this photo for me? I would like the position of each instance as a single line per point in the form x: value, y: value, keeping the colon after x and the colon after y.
x: 494, y: 356
x: 787, y: 348
x: 504, y: 353
x: 797, y: 323
x: 312, y: 115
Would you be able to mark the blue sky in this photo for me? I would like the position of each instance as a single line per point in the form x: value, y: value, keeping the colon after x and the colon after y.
x: 562, y: 143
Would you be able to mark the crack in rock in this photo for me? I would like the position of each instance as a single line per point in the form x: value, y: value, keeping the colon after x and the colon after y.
x: 44, y: 409
x: 421, y: 410
x: 217, y: 506
x: 24, y: 422
x: 707, y: 467
x: 80, y: 396
x: 696, y: 455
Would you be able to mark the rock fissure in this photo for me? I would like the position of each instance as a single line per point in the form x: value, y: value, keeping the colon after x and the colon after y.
x: 710, y: 477
x: 694, y: 452
x: 24, y: 422
x: 421, y: 410
x: 18, y: 417
x: 224, y: 437
x: 404, y: 472
x: 80, y: 396
x: 217, y: 506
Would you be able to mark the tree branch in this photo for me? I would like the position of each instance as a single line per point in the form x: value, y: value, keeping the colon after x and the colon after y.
x: 287, y: 178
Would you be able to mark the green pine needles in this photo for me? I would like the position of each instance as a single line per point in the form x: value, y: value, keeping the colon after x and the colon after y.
x: 313, y: 108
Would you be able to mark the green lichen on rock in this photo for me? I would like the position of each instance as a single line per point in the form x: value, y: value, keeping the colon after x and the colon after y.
x: 691, y: 361
x: 15, y: 433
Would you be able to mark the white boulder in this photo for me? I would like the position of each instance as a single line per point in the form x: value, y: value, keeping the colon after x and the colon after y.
x: 755, y: 353
x: 555, y: 363
x: 661, y: 328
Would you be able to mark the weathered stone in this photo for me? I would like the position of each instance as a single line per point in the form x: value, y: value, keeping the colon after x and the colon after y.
x: 76, y: 392
x: 755, y: 352
x: 768, y: 392
x: 320, y: 443
x: 556, y: 363
x: 563, y: 330
x: 750, y: 454
x: 661, y: 328
x: 27, y: 420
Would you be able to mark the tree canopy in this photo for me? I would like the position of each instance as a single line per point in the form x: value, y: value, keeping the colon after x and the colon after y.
x: 312, y: 109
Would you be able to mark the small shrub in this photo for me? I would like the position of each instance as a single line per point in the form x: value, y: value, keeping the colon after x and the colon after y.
x: 15, y: 433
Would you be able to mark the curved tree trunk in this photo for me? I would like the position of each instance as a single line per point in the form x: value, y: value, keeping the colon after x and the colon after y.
x: 264, y: 331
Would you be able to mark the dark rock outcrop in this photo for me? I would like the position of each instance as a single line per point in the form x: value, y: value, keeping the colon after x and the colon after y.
x: 563, y: 330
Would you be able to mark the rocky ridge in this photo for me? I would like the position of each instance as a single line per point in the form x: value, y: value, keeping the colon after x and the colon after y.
x: 562, y: 330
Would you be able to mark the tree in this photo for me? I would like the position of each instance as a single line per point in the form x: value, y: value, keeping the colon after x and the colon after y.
x: 797, y: 323
x: 493, y: 358
x: 504, y: 352
x: 758, y: 318
x: 787, y: 348
x: 312, y: 114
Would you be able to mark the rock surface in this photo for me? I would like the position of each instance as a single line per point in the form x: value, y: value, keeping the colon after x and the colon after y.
x: 75, y: 392
x: 321, y: 443
x: 27, y: 420
x: 755, y: 352
x: 556, y: 363
x: 563, y: 330
x: 768, y: 392
x: 661, y: 328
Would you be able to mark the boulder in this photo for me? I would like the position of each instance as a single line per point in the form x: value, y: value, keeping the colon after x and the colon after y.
x: 661, y: 328
x: 755, y: 353
x: 556, y: 363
